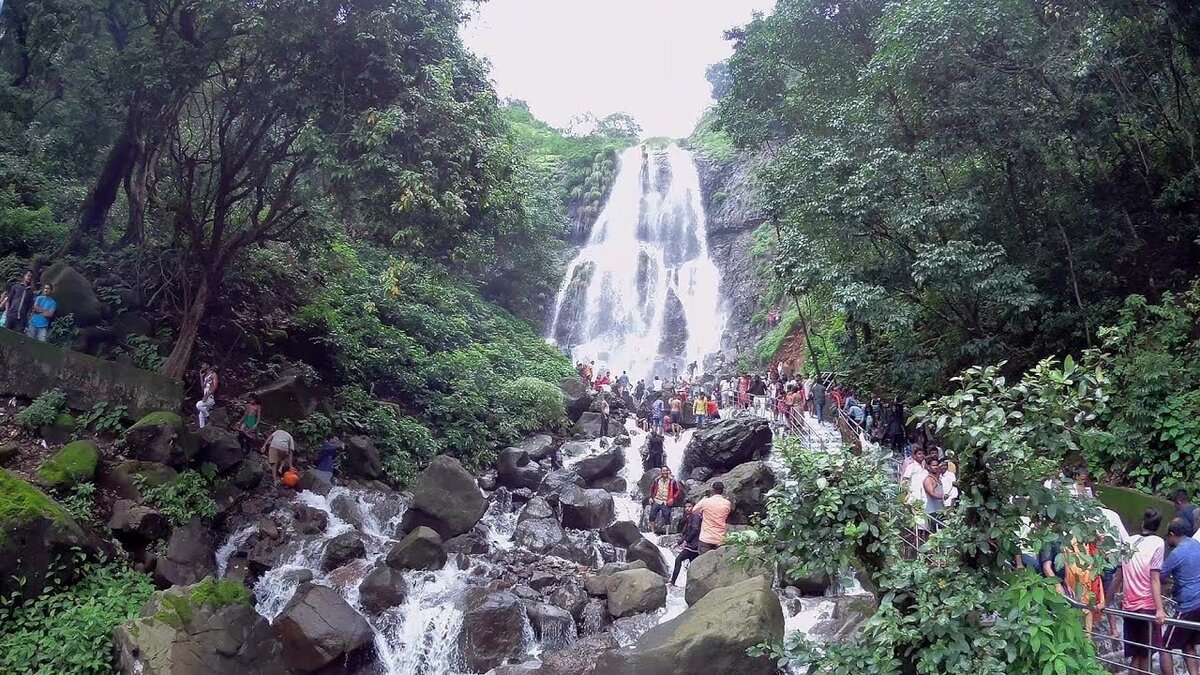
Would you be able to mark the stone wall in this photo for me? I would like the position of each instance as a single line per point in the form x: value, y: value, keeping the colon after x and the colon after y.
x: 28, y: 368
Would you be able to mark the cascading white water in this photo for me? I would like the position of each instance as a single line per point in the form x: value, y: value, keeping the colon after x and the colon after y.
x: 642, y: 295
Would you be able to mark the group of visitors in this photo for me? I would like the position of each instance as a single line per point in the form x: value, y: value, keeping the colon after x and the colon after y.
x: 26, y: 310
x: 929, y: 481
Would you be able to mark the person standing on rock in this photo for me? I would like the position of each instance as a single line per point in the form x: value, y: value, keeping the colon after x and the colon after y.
x: 656, y: 414
x: 639, y: 392
x: 658, y: 383
x: 715, y: 511
x: 689, y: 540
x: 280, y: 448
x: 604, y: 410
x: 623, y: 383
x: 17, y: 301
x: 713, y: 413
x: 248, y: 427
x: 655, y: 457
x: 700, y: 410
x: 665, y: 492
x: 41, y: 314
x: 208, y: 393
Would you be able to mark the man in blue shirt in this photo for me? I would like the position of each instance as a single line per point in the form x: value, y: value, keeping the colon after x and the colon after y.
x: 1184, y: 508
x: 1184, y: 565
x: 40, y: 315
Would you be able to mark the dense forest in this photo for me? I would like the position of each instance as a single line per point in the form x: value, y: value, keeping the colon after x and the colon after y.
x: 298, y: 187
x: 949, y: 184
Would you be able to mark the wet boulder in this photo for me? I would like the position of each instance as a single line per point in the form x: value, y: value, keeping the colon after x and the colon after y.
x: 578, y: 546
x: 539, y: 446
x: 421, y: 549
x: 635, y: 592
x: 159, y: 437
x: 578, y: 397
x: 207, y: 629
x: 622, y: 533
x: 712, y: 636
x: 717, y: 569
x: 381, y: 589
x: 607, y: 463
x: 581, y: 658
x: 540, y: 535
x: 514, y: 469
x: 584, y: 509
x: 308, y: 519
x: 493, y: 630
x: 249, y: 472
x: 475, y: 542
x: 571, y: 596
x: 316, y: 481
x: 317, y: 627
x: 574, y: 449
x: 746, y: 485
x: 727, y: 443
x: 189, y: 556
x: 361, y: 459
x: 553, y: 626
x: 614, y: 484
x: 342, y: 549
x: 558, y: 480
x: 645, y: 551
x: 219, y: 446
x: 590, y: 425
x: 536, y: 508
x: 446, y: 499
x: 287, y: 398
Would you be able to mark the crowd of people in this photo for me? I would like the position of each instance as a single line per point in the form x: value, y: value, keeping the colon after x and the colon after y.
x: 25, y: 309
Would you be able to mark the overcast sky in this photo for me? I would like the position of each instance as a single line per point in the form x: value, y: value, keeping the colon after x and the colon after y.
x: 643, y: 57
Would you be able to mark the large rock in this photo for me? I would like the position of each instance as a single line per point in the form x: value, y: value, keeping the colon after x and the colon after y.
x: 27, y: 365
x: 446, y: 499
x: 578, y: 397
x: 382, y: 588
x: 558, y: 480
x: 159, y: 437
x: 74, y: 295
x: 570, y: 596
x: 318, y: 627
x: 361, y: 459
x: 540, y: 535
x: 193, y: 631
x: 717, y: 569
x: 121, y: 477
x: 221, y: 447
x: 712, y: 636
x: 614, y: 484
x: 133, y: 523
x: 645, y: 551
x: 287, y: 398
x: 727, y: 443
x: 535, y: 508
x: 746, y: 485
x: 578, y: 546
x: 493, y: 630
x: 514, y: 469
x: 539, y: 446
x: 189, y: 556
x: 589, y: 426
x: 584, y: 509
x: 554, y: 627
x: 342, y: 549
x: 636, y: 592
x: 608, y: 463
x: 623, y: 533
x: 421, y: 549
x: 38, y: 538
x: 74, y: 463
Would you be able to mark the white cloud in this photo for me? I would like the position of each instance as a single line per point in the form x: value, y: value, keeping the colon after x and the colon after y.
x: 643, y: 57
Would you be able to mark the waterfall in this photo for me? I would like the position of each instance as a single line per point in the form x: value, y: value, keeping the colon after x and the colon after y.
x: 642, y: 294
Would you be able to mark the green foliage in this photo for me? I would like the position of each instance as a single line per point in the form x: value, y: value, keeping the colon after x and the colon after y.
x: 185, y: 497
x: 144, y: 352
x: 104, y: 418
x: 63, y: 331
x: 312, y: 429
x: 538, y: 405
x: 43, y: 410
x: 955, y: 608
x: 158, y: 418
x: 177, y: 609
x: 69, y: 629
x: 1152, y: 431
x: 76, y: 462
x: 970, y: 182
x: 711, y: 142
x: 81, y: 501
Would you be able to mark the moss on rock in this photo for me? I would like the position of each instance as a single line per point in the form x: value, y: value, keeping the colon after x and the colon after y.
x: 21, y: 502
x: 177, y: 608
x: 159, y: 418
x: 74, y: 463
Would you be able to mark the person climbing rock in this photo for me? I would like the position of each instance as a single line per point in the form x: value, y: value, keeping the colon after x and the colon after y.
x: 327, y: 454
x: 689, y: 540
x: 604, y: 414
x: 248, y: 427
x: 715, y: 510
x: 208, y: 393
x: 280, y: 449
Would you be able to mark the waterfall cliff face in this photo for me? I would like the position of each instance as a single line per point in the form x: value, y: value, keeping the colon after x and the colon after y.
x: 643, y: 293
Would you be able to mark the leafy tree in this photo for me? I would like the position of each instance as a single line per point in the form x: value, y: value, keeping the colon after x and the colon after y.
x: 957, y: 607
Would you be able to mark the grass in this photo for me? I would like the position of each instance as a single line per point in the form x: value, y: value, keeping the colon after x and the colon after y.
x: 74, y: 463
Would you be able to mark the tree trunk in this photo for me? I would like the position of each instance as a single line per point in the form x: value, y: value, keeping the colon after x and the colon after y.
x: 177, y: 363
x: 103, y: 193
x: 807, y: 335
x: 137, y: 190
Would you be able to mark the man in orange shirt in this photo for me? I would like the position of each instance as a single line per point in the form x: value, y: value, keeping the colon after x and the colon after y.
x: 715, y: 511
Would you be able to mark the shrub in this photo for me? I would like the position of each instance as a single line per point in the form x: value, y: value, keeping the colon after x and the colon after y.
x: 537, y: 404
x: 69, y: 629
x: 80, y: 502
x: 104, y: 419
x: 43, y: 410
x: 212, y: 593
x: 181, y: 499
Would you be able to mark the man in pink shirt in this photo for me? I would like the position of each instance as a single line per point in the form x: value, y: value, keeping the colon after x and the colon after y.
x: 715, y: 511
x: 1143, y: 592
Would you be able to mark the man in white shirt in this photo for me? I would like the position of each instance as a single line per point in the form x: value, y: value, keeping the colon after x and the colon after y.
x: 911, y: 466
x: 658, y: 383
x: 914, y: 478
